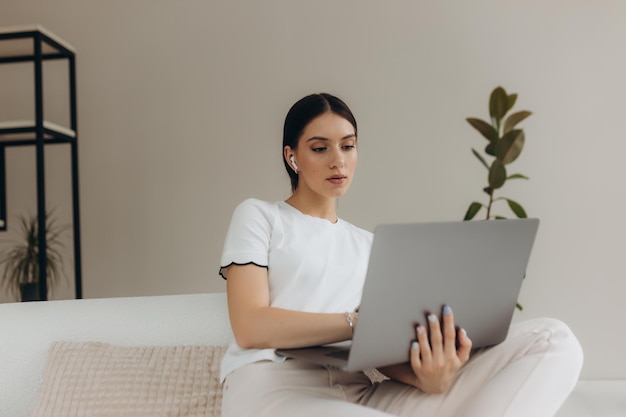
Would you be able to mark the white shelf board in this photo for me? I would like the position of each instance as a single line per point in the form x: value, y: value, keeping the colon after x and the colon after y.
x: 24, y: 46
x: 30, y: 124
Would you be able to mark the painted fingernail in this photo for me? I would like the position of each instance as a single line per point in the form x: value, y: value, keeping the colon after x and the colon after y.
x: 415, y: 345
x: 447, y: 310
x: 420, y: 330
x: 432, y: 318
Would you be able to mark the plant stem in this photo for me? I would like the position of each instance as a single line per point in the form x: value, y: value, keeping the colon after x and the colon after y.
x: 489, y: 205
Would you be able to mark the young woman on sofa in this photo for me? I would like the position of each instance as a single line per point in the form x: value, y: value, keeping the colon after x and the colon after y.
x: 295, y: 272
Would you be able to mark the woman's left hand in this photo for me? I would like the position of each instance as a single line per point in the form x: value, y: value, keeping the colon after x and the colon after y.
x: 435, y: 359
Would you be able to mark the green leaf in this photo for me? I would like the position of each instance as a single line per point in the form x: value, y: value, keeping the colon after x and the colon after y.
x: 480, y: 158
x: 473, y: 209
x: 498, y: 104
x: 514, y: 119
x: 519, y: 306
x: 487, y: 190
x: 510, y: 100
x: 517, y: 176
x: 497, y: 175
x: 485, y: 129
x: 517, y: 209
x: 510, y: 146
x: 500, y: 218
x: 490, y: 150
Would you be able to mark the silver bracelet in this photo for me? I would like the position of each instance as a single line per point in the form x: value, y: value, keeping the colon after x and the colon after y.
x: 350, y: 320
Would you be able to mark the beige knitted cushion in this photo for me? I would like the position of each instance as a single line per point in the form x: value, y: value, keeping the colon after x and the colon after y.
x: 98, y: 379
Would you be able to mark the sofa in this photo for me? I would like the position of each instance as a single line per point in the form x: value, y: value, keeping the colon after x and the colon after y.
x: 148, y: 356
x: 130, y: 356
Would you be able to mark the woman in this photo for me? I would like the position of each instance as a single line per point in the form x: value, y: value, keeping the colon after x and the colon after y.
x: 295, y: 272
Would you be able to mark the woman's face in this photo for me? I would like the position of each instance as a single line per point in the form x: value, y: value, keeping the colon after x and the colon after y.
x: 326, y: 156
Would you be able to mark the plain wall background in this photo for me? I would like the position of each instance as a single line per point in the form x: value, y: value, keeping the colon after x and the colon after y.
x: 181, y: 107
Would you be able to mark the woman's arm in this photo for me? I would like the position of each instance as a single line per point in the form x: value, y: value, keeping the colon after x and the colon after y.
x: 434, y: 361
x: 257, y: 325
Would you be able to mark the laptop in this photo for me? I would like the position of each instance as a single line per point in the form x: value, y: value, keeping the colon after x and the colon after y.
x: 414, y: 269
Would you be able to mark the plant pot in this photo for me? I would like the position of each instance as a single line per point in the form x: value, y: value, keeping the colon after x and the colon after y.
x: 30, y: 291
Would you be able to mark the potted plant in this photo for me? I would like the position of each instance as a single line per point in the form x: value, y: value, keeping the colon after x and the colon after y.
x: 505, y: 144
x: 21, y: 261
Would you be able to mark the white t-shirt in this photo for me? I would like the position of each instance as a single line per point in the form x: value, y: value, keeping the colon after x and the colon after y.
x: 313, y: 265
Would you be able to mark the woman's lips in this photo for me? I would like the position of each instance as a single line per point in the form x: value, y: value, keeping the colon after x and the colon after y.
x: 337, y: 179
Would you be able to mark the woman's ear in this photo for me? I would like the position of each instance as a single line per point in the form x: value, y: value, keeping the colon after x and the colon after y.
x: 288, y: 155
x: 287, y: 152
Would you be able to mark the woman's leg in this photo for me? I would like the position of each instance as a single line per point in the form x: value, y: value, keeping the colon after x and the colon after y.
x: 530, y: 374
x: 537, y: 383
x: 294, y: 388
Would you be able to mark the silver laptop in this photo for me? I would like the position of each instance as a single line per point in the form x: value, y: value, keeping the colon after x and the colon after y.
x: 414, y: 269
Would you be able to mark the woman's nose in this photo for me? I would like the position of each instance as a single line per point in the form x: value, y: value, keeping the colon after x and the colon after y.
x: 337, y: 160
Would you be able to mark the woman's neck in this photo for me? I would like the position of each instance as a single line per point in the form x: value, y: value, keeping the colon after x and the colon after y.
x: 316, y: 206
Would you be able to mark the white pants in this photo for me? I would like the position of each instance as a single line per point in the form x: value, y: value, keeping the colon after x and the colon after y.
x: 530, y: 374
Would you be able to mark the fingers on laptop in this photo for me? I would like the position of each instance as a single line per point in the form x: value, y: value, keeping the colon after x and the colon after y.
x: 443, y: 338
x: 465, y: 346
x: 420, y: 349
x: 456, y: 341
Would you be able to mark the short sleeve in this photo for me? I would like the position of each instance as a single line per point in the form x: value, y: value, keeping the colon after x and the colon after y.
x: 248, y: 237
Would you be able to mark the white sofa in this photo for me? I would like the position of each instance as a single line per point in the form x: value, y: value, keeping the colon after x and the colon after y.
x: 27, y: 331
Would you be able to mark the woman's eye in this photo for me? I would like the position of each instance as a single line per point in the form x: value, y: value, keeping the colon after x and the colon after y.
x: 348, y: 147
x: 320, y: 149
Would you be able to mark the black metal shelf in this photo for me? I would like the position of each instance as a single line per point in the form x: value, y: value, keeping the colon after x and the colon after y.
x: 34, y: 44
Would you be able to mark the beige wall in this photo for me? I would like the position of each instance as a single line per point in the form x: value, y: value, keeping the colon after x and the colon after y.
x: 180, y: 116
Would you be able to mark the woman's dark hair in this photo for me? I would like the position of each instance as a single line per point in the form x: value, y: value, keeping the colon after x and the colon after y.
x: 301, y: 114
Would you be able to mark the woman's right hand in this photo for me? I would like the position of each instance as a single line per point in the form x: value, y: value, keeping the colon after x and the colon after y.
x: 435, y: 359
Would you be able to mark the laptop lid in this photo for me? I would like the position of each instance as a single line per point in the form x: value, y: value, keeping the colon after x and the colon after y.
x: 475, y: 267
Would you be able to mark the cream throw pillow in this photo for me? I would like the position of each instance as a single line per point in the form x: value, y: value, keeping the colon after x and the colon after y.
x: 98, y: 379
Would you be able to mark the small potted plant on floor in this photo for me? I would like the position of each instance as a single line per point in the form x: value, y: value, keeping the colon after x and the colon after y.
x: 20, y: 261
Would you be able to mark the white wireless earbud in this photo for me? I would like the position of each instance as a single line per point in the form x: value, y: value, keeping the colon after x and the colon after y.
x: 293, y: 164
